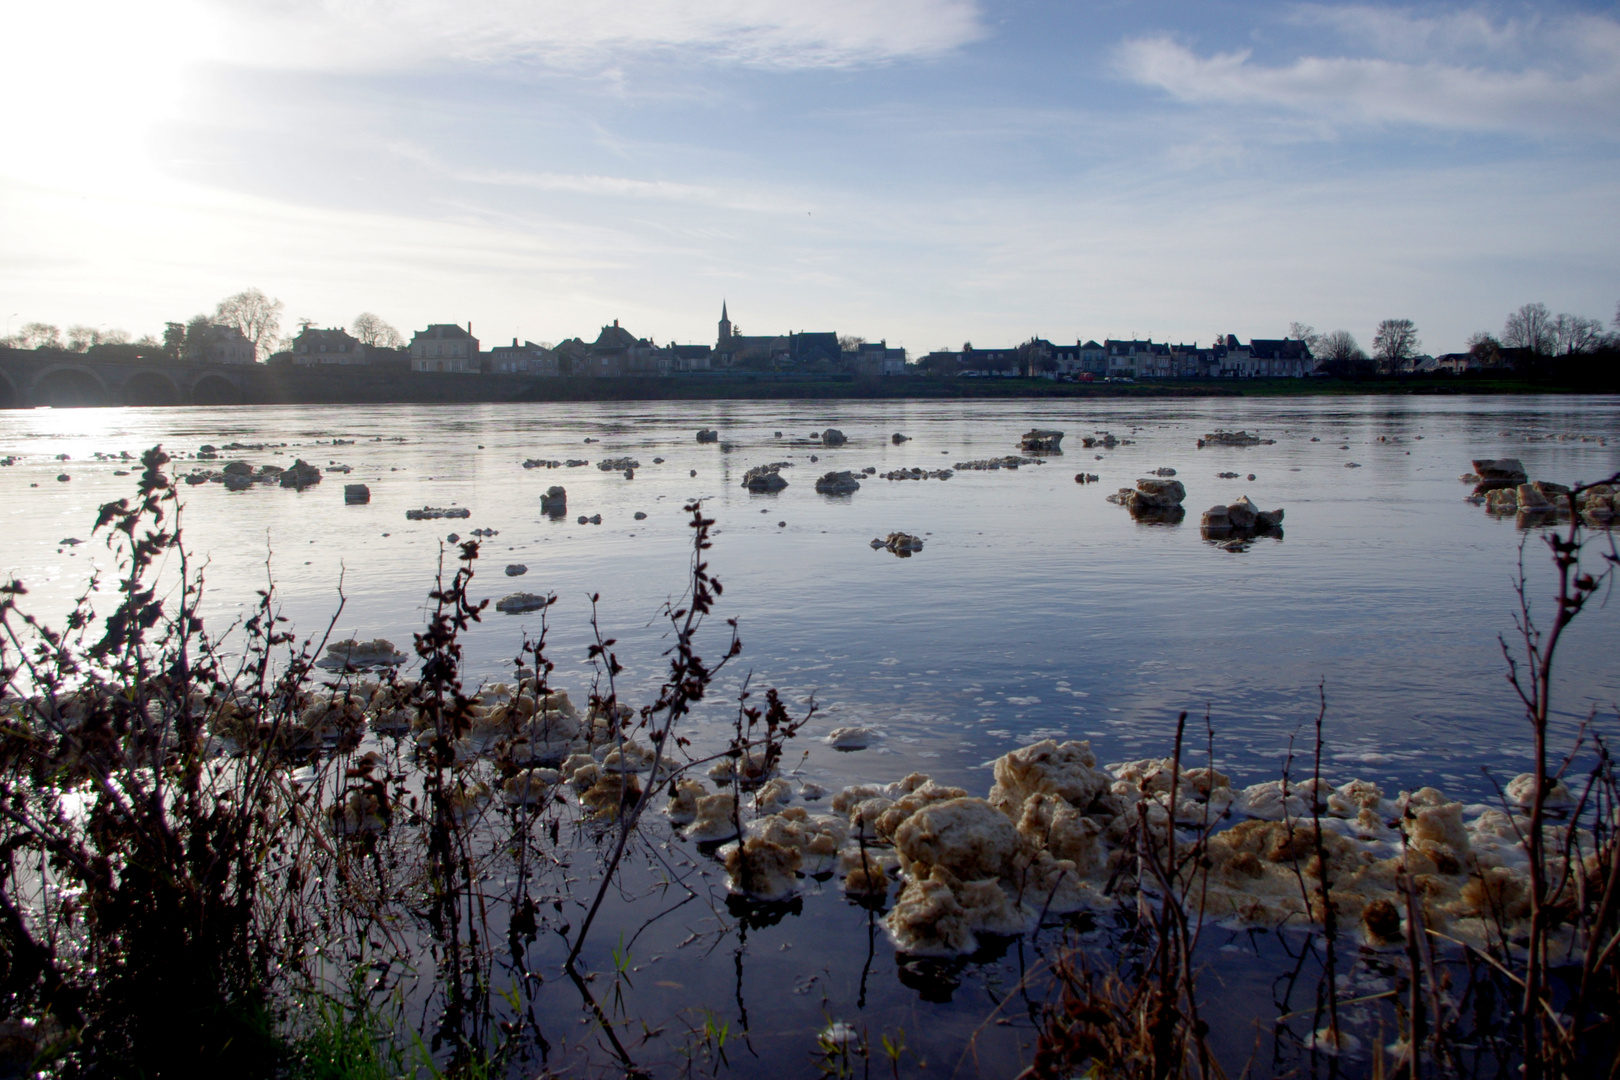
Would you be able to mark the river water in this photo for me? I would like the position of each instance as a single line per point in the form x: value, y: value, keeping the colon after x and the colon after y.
x: 1036, y: 609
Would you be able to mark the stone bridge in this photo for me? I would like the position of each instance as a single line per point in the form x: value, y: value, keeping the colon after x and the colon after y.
x: 30, y: 379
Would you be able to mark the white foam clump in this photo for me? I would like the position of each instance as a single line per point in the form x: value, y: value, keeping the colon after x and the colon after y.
x: 1323, y: 1041
x: 1521, y: 792
x: 582, y: 770
x: 359, y: 812
x: 715, y: 818
x: 748, y: 768
x: 1272, y: 801
x: 628, y: 757
x: 846, y: 799
x: 762, y: 870
x: 529, y: 786
x: 1067, y: 770
x: 1055, y: 826
x: 682, y: 808
x: 955, y: 855
x: 766, y: 864
x: 772, y: 796
x: 851, y: 738
x: 465, y: 800
x: 974, y: 866
x: 865, y: 870
x: 940, y: 915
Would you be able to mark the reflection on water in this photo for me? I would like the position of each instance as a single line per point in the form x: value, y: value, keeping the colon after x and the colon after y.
x: 1031, y: 609
x: 1033, y: 606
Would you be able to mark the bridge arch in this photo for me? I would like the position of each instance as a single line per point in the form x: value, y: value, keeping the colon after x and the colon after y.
x: 66, y: 386
x: 151, y: 387
x: 215, y: 389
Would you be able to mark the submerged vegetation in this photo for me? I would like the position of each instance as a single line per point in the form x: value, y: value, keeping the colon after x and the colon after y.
x: 214, y: 853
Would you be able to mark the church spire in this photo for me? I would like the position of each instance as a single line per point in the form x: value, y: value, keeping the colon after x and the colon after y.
x: 723, y: 317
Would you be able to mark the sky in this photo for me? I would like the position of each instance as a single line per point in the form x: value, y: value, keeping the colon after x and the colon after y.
x: 927, y: 172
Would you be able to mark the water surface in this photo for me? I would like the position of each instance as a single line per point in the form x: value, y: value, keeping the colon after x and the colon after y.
x: 1036, y: 609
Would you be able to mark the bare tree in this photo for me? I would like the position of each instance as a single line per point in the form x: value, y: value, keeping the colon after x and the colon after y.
x: 256, y: 315
x: 1575, y: 334
x: 371, y: 330
x: 1395, y: 342
x: 84, y: 338
x: 1340, y: 346
x: 38, y: 335
x: 1529, y: 328
x: 1483, y: 346
x: 1305, y: 332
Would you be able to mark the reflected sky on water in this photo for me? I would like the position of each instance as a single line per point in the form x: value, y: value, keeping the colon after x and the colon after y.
x: 1035, y: 609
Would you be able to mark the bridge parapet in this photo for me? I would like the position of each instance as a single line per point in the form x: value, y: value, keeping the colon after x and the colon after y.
x: 32, y: 378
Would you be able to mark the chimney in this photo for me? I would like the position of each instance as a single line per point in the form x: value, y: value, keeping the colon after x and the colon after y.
x: 615, y: 323
x: 514, y: 343
x: 469, y: 328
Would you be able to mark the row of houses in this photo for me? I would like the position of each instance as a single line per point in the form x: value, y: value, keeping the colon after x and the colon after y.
x: 1130, y: 358
x: 616, y: 352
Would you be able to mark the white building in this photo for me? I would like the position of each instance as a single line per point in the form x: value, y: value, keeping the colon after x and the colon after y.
x: 445, y: 347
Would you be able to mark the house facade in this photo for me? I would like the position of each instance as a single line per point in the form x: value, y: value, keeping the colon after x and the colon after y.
x: 227, y: 345
x: 876, y: 358
x: 811, y: 348
x: 616, y: 352
x: 690, y: 357
x: 1274, y: 358
x: 525, y: 359
x: 987, y: 363
x: 1130, y: 358
x: 445, y: 347
x: 327, y: 348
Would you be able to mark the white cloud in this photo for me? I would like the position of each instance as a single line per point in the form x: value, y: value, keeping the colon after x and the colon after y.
x: 1396, y: 33
x: 599, y: 184
x: 1458, y: 71
x: 391, y: 34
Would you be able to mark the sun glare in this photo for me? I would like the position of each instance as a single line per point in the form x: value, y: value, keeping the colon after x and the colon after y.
x: 93, y: 80
x: 75, y: 432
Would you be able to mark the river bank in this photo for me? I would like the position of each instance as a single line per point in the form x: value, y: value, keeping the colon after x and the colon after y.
x: 30, y: 379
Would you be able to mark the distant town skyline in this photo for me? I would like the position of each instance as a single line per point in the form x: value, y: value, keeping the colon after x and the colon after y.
x: 928, y: 172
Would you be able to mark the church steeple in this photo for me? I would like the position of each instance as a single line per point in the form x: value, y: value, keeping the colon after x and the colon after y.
x: 725, y: 325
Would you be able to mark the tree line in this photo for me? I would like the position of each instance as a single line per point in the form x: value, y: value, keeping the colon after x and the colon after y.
x: 1395, y: 344
x: 1531, y: 336
x: 1537, y: 331
x: 256, y: 316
